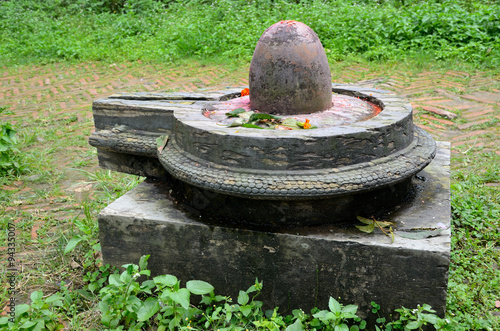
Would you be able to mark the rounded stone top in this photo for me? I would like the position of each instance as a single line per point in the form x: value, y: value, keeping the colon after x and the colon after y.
x: 289, y: 72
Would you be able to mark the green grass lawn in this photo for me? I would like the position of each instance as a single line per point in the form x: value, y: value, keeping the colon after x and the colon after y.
x: 52, y: 187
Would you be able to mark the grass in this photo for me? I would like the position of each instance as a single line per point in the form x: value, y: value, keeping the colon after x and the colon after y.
x: 58, y: 190
x: 155, y: 31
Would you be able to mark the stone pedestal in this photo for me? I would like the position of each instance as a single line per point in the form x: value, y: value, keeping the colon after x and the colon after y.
x: 300, y: 268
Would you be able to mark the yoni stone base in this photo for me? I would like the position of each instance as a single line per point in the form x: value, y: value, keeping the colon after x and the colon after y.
x: 300, y: 268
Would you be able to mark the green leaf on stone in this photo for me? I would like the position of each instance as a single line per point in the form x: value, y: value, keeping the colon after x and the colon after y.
x: 364, y: 220
x: 246, y: 115
x: 291, y: 123
x: 366, y: 228
x: 161, y: 142
x: 235, y: 113
x: 384, y: 224
x: 236, y: 122
x: 261, y: 116
x: 251, y: 126
x: 418, y: 235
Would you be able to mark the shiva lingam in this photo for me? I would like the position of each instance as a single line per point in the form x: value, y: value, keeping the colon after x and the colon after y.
x: 327, y: 153
x: 260, y: 181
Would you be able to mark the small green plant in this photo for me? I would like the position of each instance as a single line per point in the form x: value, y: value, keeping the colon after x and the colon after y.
x: 337, y: 317
x: 96, y: 280
x: 161, y: 303
x: 9, y: 154
x: 88, y: 236
x: 120, y: 304
x: 416, y: 319
x: 42, y: 314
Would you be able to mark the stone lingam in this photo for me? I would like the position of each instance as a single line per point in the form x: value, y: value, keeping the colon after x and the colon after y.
x: 270, y: 184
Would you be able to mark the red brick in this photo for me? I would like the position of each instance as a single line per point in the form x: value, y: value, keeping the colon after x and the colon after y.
x: 470, y: 134
x: 471, y: 124
x: 476, y: 114
x: 205, y: 80
x: 485, y: 97
x: 458, y: 74
x: 441, y: 112
x: 440, y: 120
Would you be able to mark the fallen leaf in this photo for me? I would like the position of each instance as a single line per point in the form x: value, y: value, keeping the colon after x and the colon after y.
x: 74, y: 265
x: 366, y: 228
x: 417, y: 235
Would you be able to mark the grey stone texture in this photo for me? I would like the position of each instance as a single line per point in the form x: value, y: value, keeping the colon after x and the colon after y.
x: 300, y: 268
x: 260, y: 164
x: 289, y: 73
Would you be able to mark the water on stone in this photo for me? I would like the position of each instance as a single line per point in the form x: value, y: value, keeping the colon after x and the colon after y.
x: 345, y: 110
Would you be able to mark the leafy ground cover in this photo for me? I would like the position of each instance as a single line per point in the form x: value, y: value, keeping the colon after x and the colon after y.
x: 52, y: 187
x: 167, y: 31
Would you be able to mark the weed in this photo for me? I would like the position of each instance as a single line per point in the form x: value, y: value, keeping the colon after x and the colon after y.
x: 10, y: 162
x: 126, y: 303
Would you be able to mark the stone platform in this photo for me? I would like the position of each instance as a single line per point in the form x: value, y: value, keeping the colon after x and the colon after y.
x: 300, y: 268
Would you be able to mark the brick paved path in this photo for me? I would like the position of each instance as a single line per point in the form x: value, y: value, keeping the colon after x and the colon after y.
x: 453, y: 106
